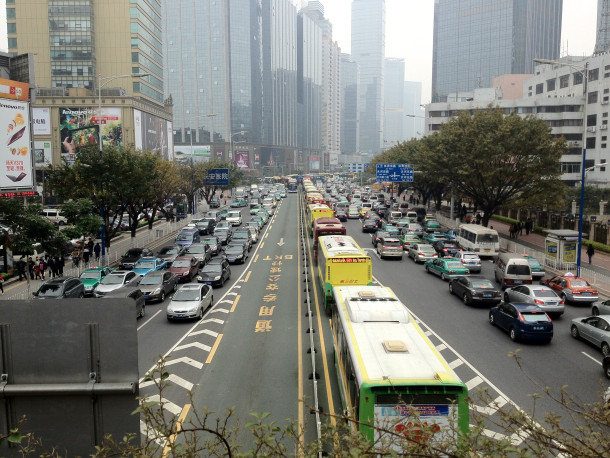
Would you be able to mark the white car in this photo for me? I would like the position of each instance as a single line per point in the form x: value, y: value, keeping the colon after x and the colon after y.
x: 469, y: 259
x: 234, y: 218
x: 600, y: 308
x: 190, y: 301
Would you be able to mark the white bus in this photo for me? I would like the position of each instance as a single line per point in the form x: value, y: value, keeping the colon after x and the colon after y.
x: 480, y: 239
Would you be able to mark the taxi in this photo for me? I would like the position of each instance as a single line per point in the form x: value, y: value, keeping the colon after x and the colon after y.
x: 571, y: 288
x: 91, y: 278
x: 446, y: 268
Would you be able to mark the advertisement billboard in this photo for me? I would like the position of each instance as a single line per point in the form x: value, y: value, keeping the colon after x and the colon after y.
x: 79, y: 127
x: 152, y: 134
x: 16, y: 159
x: 242, y: 160
x: 42, y: 153
x: 314, y: 163
x: 41, y: 121
x: 14, y: 90
x: 199, y: 153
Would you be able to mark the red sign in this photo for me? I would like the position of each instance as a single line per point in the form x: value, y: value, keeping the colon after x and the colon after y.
x: 348, y: 260
x: 18, y: 194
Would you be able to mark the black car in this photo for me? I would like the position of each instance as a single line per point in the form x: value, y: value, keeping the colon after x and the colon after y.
x: 236, y: 253
x: 131, y: 292
x: 171, y: 252
x: 133, y: 255
x: 213, y: 242
x: 369, y: 225
x: 242, y: 237
x: 214, y: 202
x: 60, y: 288
x: 446, y: 248
x: 215, y: 273
x: 341, y: 215
x: 223, y: 235
x: 201, y: 251
x: 206, y: 226
x: 157, y: 284
x: 475, y: 289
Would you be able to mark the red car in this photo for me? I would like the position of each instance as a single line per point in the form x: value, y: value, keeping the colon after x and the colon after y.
x: 185, y: 268
x: 571, y: 288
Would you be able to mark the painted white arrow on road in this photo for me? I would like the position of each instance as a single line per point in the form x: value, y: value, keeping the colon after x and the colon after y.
x: 281, y: 242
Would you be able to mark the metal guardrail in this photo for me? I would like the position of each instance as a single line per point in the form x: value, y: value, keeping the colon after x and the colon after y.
x: 312, y: 349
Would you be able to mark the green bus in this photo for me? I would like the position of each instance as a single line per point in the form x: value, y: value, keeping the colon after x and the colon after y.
x: 390, y: 375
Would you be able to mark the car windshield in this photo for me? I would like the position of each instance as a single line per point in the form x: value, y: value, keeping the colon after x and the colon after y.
x: 471, y: 256
x: 145, y: 265
x: 532, y: 317
x: 517, y: 269
x: 391, y: 243
x: 181, y: 263
x: 90, y: 275
x: 454, y: 265
x: 209, y: 240
x: 113, y: 280
x: 234, y: 249
x: 483, y: 284
x: 151, y: 279
x: 184, y: 237
x: 49, y: 291
x: 133, y: 253
x: 221, y: 233
x: 580, y: 283
x: 544, y: 293
x: 426, y: 249
x: 186, y: 295
x: 211, y: 268
x: 234, y: 214
x: 168, y: 250
x: 196, y: 249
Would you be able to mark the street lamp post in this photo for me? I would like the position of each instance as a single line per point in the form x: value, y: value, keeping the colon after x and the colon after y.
x: 584, y: 71
x: 101, y: 82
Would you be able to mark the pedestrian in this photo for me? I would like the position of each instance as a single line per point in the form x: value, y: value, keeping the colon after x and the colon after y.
x: 52, y: 267
x: 2, y: 284
x: 521, y: 226
x: 86, y: 253
x: 96, y: 251
x: 21, y: 265
x: 75, y: 256
x: 528, y: 225
x: 31, y: 267
x: 59, y: 263
x: 590, y: 251
x: 511, y: 231
x: 478, y: 219
x: 36, y: 272
x: 42, y: 266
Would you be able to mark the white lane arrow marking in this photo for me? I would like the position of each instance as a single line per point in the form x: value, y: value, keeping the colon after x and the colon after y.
x: 281, y: 242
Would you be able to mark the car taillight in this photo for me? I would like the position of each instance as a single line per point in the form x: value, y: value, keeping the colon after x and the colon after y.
x: 521, y: 318
x: 538, y: 301
x: 420, y: 254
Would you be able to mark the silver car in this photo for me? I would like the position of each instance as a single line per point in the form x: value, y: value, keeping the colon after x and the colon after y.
x: 390, y: 247
x: 471, y: 260
x: 593, y: 329
x: 421, y: 252
x: 540, y: 295
x: 116, y: 280
x: 190, y: 301
x: 600, y: 308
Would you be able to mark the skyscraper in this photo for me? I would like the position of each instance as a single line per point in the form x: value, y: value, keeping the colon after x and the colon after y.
x: 602, y: 38
x: 477, y: 40
x: 368, y: 50
x: 394, y: 111
x: 350, y: 112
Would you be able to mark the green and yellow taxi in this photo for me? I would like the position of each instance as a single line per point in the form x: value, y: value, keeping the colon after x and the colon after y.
x: 92, y: 277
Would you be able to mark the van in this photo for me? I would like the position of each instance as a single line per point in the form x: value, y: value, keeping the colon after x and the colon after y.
x: 394, y: 217
x: 54, y: 215
x: 187, y: 237
x: 512, y: 269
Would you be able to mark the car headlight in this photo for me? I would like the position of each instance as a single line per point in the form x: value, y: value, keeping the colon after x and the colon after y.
x: 156, y: 291
x: 217, y: 278
x: 89, y: 288
x: 186, y: 272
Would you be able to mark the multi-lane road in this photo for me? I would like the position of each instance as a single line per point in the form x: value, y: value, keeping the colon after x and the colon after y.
x: 251, y: 350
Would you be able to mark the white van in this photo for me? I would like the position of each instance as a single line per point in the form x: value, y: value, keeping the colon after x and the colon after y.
x: 54, y: 215
x: 512, y: 269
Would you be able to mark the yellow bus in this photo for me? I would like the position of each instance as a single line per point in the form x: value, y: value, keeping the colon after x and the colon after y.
x: 341, y: 262
x: 318, y: 211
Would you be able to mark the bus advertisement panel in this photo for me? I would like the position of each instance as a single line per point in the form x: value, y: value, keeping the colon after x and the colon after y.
x: 325, y: 226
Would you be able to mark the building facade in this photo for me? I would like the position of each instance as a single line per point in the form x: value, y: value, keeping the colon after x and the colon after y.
x: 394, y: 111
x: 350, y: 106
x: 477, y: 40
x: 574, y: 110
x: 414, y: 118
x: 368, y: 50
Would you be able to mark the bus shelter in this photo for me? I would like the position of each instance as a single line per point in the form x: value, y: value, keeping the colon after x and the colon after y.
x: 560, y: 249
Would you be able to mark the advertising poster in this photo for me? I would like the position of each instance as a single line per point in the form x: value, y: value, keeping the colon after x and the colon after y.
x: 79, y: 127
x: 219, y: 152
x: 41, y: 121
x: 257, y: 159
x: 199, y: 153
x: 569, y: 251
x: 42, y: 153
x: 270, y: 158
x: 151, y: 134
x: 14, y: 90
x: 242, y: 160
x: 17, y: 162
x: 551, y: 249
x: 314, y: 163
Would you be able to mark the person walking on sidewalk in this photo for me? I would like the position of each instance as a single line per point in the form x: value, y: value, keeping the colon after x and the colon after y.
x: 590, y: 251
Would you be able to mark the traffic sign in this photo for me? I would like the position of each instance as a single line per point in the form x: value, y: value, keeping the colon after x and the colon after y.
x: 217, y: 177
x: 394, y: 172
x: 357, y: 167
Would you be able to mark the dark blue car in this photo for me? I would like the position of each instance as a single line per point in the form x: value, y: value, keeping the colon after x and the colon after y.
x: 522, y: 321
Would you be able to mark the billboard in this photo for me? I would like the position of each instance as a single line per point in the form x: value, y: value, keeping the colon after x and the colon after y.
x: 79, y: 127
x: 41, y: 121
x: 14, y: 90
x: 199, y: 153
x: 242, y: 160
x: 42, y: 153
x: 152, y: 134
x: 16, y: 157
x: 314, y: 163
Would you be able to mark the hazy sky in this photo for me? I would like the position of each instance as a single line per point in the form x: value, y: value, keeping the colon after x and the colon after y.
x: 409, y: 32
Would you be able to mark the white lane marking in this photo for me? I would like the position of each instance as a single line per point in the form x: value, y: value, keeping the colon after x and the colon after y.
x: 205, y: 331
x: 214, y: 320
x: 167, y: 405
x: 591, y: 357
x: 492, y: 407
x: 474, y: 382
x: 149, y: 320
x: 441, y: 347
x: 219, y: 311
x: 185, y: 360
x: 456, y: 363
x: 173, y: 378
x: 195, y: 345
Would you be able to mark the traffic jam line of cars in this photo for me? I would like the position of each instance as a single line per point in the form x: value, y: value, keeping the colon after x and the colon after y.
x: 525, y: 303
x: 203, y: 253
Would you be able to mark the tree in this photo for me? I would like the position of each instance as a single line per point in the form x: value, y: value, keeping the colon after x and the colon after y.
x: 498, y: 160
x: 83, y: 216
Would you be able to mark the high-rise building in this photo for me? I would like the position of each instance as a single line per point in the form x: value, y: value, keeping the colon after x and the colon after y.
x: 368, y: 50
x: 394, y: 111
x: 414, y: 125
x: 350, y: 109
x: 85, y: 55
x: 602, y: 39
x: 477, y: 40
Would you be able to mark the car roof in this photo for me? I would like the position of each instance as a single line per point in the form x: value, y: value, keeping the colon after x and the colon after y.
x: 123, y: 291
x: 215, y: 261
x: 59, y: 281
x: 154, y: 273
x: 184, y: 258
x: 526, y: 307
x: 119, y: 272
x: 191, y: 286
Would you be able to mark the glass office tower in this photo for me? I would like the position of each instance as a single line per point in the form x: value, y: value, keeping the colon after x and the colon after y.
x: 478, y: 40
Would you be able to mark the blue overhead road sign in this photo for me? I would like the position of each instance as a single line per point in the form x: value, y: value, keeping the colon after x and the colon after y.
x: 394, y: 172
x: 357, y: 167
x: 217, y: 177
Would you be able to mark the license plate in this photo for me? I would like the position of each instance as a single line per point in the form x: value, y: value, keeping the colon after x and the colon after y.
x: 146, y: 297
x: 180, y: 315
x: 538, y: 328
x: 518, y: 282
x: 486, y: 250
x: 586, y: 294
x: 487, y: 295
x: 208, y: 282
